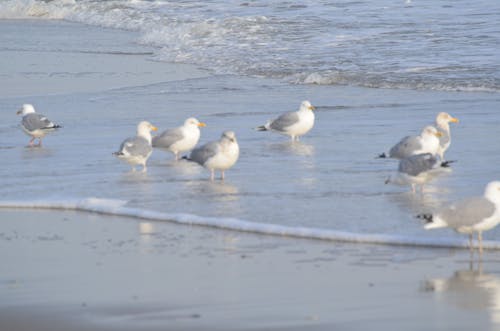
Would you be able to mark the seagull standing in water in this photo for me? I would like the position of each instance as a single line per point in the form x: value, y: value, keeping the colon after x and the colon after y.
x: 443, y: 125
x: 217, y: 155
x: 136, y: 150
x: 417, y: 170
x: 35, y: 125
x: 293, y: 124
x: 426, y: 142
x: 471, y: 215
x: 180, y: 139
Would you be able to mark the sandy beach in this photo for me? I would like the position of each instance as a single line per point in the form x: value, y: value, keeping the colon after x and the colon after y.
x: 70, y: 270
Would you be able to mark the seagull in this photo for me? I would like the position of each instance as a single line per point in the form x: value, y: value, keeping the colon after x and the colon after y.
x: 217, y: 155
x: 426, y: 142
x: 180, y: 139
x: 293, y: 124
x: 443, y: 125
x: 471, y: 215
x: 417, y: 169
x: 136, y: 150
x: 35, y: 125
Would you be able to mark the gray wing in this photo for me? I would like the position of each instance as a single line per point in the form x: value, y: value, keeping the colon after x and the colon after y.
x: 202, y: 154
x: 284, y: 121
x: 167, y: 138
x: 406, y: 147
x: 467, y: 212
x: 416, y: 164
x: 136, y: 146
x: 34, y: 121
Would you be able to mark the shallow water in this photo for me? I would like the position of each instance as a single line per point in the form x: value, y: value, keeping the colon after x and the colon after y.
x: 330, y: 179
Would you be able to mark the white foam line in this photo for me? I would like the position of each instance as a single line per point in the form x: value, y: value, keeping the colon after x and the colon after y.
x: 118, y: 208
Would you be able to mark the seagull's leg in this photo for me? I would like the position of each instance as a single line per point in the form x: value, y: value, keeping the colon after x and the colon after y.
x: 480, y: 239
x: 422, y: 190
x: 470, y: 242
x: 212, y: 174
x: 413, y: 188
x: 144, y: 169
x: 40, y: 142
x: 176, y: 156
x: 31, y: 141
x: 222, y: 174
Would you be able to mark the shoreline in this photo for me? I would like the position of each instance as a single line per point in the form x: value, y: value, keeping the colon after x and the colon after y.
x: 106, y: 207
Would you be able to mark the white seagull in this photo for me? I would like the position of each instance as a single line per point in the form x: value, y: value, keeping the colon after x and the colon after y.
x: 443, y: 125
x: 217, y: 155
x: 181, y: 139
x: 136, y: 150
x: 471, y: 215
x: 293, y: 124
x: 35, y: 125
x: 426, y: 142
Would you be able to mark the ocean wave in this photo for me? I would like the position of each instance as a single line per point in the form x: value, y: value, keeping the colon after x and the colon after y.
x: 119, y: 208
x: 28, y: 9
x: 397, y: 81
x: 313, y: 44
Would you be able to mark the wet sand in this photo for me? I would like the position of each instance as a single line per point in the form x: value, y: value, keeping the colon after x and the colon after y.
x: 82, y: 271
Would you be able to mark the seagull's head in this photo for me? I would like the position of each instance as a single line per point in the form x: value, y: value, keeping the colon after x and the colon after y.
x: 144, y: 128
x: 442, y: 119
x: 492, y: 192
x: 430, y: 131
x: 306, y: 105
x: 229, y: 135
x: 26, y: 109
x: 194, y: 122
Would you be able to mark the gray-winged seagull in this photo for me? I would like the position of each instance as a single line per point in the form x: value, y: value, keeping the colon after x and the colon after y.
x: 136, y: 150
x: 181, y: 139
x: 35, y: 125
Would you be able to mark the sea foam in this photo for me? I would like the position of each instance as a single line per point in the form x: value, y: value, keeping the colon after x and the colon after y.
x: 309, y: 44
x: 119, y: 208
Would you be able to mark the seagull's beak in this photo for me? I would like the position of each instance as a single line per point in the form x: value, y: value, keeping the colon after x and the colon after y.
x: 154, y: 128
x: 201, y: 124
x: 312, y: 107
x: 438, y: 134
x: 454, y: 120
x: 19, y: 112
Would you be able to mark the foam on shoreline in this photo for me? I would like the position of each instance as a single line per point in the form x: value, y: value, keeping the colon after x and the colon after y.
x: 119, y: 208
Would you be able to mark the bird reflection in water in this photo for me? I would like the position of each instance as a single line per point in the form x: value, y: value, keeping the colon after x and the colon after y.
x: 298, y: 148
x: 469, y: 289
